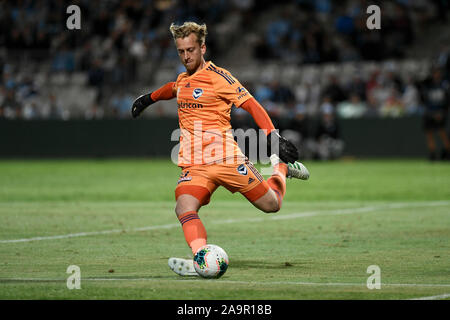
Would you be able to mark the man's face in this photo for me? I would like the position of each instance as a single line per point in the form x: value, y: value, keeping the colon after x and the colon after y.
x: 190, y: 52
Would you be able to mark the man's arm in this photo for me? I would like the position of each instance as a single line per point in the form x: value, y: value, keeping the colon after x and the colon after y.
x: 259, y: 114
x: 288, y: 153
x: 166, y: 92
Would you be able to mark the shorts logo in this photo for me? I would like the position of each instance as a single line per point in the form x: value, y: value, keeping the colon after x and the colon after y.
x: 197, y: 93
x: 242, y: 169
x: 184, y: 177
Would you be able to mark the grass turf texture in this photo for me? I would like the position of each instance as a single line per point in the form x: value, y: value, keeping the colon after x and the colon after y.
x: 348, y: 216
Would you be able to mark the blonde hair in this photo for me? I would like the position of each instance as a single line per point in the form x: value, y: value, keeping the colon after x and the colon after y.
x: 187, y: 28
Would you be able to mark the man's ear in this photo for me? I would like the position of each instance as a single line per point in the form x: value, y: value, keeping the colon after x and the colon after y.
x: 203, y: 48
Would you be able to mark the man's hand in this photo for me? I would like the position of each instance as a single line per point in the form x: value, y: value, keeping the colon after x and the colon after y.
x: 288, y: 153
x: 140, y: 104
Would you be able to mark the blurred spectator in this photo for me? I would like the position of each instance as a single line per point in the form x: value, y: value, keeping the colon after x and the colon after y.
x: 121, y: 103
x: 52, y: 109
x: 10, y: 106
x: 357, y: 86
x: 64, y: 60
x: 344, y: 23
x: 94, y: 112
x: 352, y: 108
x: 281, y: 93
x: 329, y: 145
x: 443, y: 60
x: 411, y: 97
x: 96, y: 73
x: 333, y: 91
x: 299, y: 121
x: 393, y: 105
x: 435, y: 94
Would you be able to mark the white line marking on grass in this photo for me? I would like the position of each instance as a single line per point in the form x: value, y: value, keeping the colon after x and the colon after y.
x: 256, y: 219
x: 93, y: 233
x: 192, y: 279
x: 439, y: 297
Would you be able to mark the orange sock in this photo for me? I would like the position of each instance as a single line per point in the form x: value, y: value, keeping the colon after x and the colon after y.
x: 194, y: 231
x: 277, y: 181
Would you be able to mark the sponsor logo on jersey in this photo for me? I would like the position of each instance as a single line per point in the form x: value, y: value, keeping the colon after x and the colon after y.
x: 197, y: 93
x: 189, y: 105
x: 240, y: 90
x: 242, y: 169
x: 188, y: 85
x: 242, y: 95
x: 250, y: 180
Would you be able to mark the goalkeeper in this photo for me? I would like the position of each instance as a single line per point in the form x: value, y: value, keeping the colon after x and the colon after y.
x: 209, y: 156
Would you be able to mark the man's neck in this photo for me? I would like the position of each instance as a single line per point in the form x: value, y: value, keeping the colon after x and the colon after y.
x: 200, y: 67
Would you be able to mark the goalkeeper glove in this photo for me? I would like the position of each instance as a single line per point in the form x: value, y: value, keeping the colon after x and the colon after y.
x: 141, y: 103
x: 288, y: 153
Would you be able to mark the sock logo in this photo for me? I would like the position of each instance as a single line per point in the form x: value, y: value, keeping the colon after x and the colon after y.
x: 242, y: 169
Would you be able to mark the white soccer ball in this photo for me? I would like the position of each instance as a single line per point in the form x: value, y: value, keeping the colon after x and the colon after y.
x: 211, y: 261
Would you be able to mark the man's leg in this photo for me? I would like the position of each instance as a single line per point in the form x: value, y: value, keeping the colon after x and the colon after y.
x: 446, y: 143
x: 275, y: 187
x: 193, y: 192
x: 431, y: 144
x: 187, y: 208
x: 187, y: 212
x: 268, y: 202
x: 271, y: 201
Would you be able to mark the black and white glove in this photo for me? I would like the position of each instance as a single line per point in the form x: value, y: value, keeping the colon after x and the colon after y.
x: 288, y: 153
x: 141, y: 103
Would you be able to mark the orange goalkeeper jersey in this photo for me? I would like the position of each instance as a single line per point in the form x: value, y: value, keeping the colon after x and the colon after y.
x: 204, y: 105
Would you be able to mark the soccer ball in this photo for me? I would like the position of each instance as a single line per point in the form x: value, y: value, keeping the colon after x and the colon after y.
x: 211, y: 261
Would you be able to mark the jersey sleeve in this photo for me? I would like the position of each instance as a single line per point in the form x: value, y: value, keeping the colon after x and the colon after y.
x: 259, y: 114
x: 176, y: 84
x: 166, y: 92
x: 229, y: 88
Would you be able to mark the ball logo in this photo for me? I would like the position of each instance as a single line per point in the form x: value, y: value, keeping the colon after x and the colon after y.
x: 242, y: 169
x: 197, y: 93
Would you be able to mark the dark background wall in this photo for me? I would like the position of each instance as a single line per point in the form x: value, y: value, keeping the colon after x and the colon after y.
x: 401, y: 137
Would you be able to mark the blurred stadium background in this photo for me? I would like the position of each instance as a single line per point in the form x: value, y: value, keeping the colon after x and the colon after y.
x: 331, y: 85
x: 336, y: 86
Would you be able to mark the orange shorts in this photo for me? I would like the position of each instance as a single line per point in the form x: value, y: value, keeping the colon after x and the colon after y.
x: 201, y: 181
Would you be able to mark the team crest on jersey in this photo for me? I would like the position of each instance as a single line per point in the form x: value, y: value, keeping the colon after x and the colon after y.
x: 242, y: 169
x: 197, y: 93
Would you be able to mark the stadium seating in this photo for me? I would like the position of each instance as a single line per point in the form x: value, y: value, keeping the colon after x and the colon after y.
x: 95, y: 67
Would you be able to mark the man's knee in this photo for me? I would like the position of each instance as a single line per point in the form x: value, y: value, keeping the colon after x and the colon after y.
x: 268, y: 203
x: 185, y: 203
x: 272, y: 206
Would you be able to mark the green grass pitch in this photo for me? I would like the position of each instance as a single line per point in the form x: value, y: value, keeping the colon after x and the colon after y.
x: 115, y: 220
